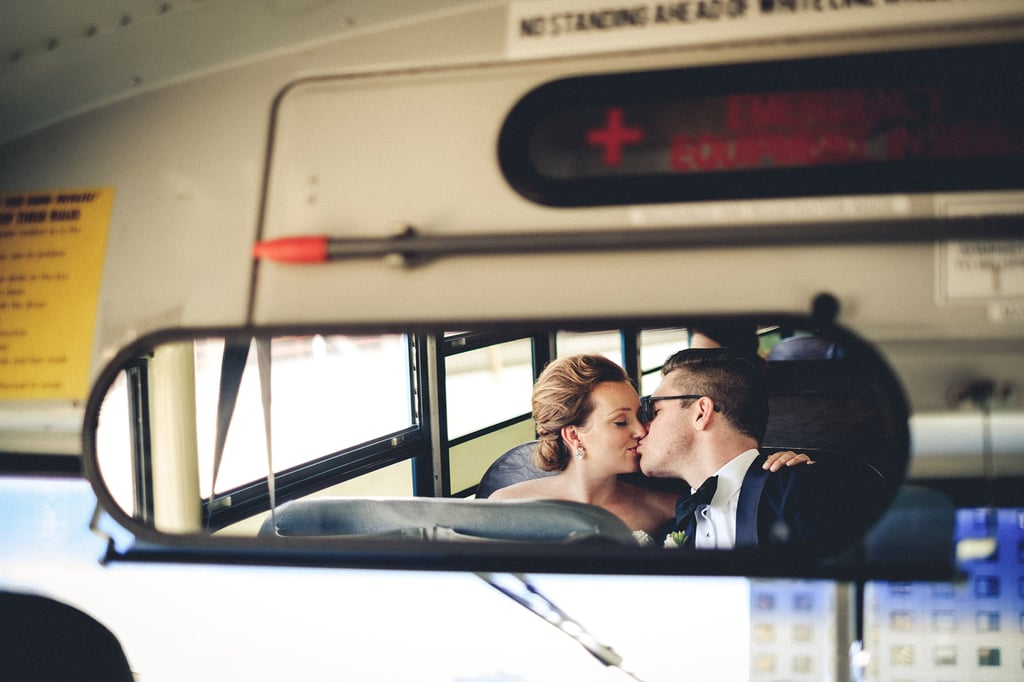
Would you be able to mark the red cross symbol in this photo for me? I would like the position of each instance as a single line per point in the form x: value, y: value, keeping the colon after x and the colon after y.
x: 613, y: 136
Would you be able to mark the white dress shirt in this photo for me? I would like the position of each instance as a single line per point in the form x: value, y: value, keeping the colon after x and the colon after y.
x: 716, y: 523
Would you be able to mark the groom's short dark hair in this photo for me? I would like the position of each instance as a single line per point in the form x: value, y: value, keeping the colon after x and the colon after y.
x: 733, y: 381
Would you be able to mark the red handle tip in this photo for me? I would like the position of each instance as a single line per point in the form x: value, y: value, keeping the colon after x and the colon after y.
x: 293, y: 250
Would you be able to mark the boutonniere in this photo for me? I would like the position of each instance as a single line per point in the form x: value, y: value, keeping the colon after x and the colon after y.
x: 676, y: 539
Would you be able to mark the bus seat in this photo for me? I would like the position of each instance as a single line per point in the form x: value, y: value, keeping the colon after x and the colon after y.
x: 805, y: 348
x: 834, y: 406
x: 917, y: 529
x: 44, y: 640
x: 433, y: 518
x: 512, y: 467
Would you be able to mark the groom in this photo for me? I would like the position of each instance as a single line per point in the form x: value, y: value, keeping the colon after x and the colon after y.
x: 706, y: 422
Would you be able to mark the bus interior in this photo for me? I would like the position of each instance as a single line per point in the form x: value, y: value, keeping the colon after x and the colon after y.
x: 277, y: 280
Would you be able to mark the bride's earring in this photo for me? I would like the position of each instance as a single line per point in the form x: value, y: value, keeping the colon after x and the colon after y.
x: 579, y: 453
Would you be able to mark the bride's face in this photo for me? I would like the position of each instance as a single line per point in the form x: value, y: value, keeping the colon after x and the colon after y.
x: 613, y: 430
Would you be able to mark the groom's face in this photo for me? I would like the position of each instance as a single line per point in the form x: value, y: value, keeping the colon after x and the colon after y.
x: 665, y: 449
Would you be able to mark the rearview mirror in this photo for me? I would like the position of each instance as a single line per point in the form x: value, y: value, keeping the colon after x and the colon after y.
x: 370, y: 445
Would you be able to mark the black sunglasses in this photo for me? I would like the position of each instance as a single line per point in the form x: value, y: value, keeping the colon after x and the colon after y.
x: 646, y: 414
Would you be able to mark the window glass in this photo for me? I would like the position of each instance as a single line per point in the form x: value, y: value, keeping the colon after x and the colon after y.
x: 607, y: 343
x: 469, y: 460
x: 487, y: 386
x: 329, y: 393
x: 656, y: 345
x: 113, y: 443
x: 394, y: 480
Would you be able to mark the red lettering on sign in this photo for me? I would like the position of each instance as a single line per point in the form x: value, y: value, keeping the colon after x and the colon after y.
x: 708, y: 152
x: 789, y: 110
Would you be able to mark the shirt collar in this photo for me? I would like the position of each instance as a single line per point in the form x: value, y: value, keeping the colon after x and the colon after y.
x: 730, y: 477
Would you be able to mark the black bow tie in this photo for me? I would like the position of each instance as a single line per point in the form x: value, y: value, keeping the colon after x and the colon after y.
x: 686, y: 506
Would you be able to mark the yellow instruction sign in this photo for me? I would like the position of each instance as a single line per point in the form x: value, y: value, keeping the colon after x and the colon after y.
x: 51, y: 261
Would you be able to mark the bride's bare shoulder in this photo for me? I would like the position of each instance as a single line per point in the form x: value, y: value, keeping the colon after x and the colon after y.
x: 531, y: 489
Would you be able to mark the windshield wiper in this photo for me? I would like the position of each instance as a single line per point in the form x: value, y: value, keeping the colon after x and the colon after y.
x: 516, y: 587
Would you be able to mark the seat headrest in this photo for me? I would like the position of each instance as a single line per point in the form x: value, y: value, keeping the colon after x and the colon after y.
x: 512, y: 467
x: 433, y: 518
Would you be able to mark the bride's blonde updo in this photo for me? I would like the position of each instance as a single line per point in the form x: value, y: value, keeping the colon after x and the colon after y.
x: 561, y: 397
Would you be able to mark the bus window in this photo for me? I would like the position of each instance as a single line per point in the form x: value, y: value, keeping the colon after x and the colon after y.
x: 115, y: 435
x: 607, y: 343
x: 655, y: 346
x: 329, y: 393
x: 487, y: 385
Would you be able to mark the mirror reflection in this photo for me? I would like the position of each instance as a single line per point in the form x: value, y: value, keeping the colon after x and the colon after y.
x: 431, y: 434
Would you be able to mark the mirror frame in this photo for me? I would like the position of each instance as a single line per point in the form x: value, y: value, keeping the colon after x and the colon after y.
x: 368, y: 552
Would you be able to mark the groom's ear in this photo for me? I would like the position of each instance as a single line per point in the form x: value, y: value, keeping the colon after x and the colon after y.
x: 704, y: 412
